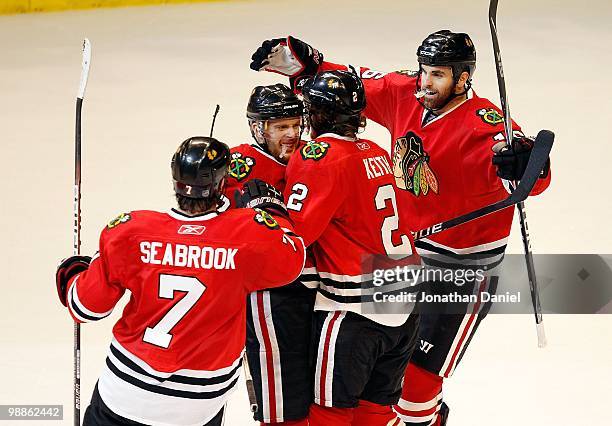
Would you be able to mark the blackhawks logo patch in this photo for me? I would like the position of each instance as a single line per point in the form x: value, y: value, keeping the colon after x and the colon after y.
x: 240, y: 167
x: 122, y: 218
x: 264, y: 218
x: 411, y: 166
x: 490, y: 116
x: 314, y: 150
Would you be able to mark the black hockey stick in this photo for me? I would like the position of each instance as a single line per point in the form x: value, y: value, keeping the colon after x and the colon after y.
x: 537, y: 160
x: 212, y: 126
x: 501, y: 82
x: 245, y: 361
x: 76, y: 228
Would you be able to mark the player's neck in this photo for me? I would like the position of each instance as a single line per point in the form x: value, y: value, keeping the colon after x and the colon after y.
x: 198, y: 213
x: 452, y: 104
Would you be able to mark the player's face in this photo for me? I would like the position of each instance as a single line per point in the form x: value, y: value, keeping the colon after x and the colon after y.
x: 283, y: 136
x: 438, y: 85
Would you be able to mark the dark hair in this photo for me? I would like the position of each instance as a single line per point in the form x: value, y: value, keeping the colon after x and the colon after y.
x: 195, y: 205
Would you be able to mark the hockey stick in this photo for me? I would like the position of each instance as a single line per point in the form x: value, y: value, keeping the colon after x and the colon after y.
x: 537, y: 160
x: 212, y: 126
x: 245, y: 362
x: 249, y: 385
x: 501, y: 82
x: 76, y: 228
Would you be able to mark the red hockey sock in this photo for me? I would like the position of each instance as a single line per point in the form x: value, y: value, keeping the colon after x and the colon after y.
x: 421, y: 396
x: 302, y: 422
x: 371, y: 414
x: 330, y: 416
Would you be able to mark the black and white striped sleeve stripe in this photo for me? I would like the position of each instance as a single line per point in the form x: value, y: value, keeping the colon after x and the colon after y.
x: 77, y: 308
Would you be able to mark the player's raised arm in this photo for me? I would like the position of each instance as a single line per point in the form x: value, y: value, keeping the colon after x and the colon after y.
x: 298, y: 60
x: 279, y: 255
x: 85, y: 286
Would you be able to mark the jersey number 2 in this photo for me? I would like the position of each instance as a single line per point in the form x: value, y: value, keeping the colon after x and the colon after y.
x: 168, y: 284
x: 391, y: 223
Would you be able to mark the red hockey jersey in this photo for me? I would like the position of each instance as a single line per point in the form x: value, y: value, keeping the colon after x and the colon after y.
x: 443, y: 167
x: 250, y: 162
x: 342, y: 198
x: 176, y: 352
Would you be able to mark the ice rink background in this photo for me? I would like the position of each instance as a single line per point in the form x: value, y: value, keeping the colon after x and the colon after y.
x: 157, y: 73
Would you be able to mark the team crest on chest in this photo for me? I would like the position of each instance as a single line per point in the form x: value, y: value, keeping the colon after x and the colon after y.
x: 490, y: 116
x: 411, y: 166
x: 314, y: 150
x: 240, y: 166
x: 122, y: 218
x: 264, y: 218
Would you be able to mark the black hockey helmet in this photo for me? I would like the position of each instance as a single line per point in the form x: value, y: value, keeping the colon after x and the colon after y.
x: 446, y: 48
x: 273, y: 102
x: 199, y: 166
x: 334, y: 101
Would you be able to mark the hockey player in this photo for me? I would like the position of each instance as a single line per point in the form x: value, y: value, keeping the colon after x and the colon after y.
x: 177, y: 349
x: 443, y: 137
x: 340, y: 193
x: 278, y: 320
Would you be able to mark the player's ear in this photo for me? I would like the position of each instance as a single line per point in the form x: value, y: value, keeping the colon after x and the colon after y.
x: 463, y: 78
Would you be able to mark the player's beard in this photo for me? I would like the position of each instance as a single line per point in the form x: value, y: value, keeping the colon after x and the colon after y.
x: 438, y: 99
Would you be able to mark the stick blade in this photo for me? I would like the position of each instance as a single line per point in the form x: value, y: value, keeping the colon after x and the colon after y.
x: 84, y: 68
x: 542, y: 342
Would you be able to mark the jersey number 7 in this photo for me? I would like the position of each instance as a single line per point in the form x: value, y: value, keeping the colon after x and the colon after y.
x: 168, y: 284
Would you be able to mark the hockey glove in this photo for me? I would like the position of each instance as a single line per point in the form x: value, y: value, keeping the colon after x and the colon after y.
x: 66, y: 270
x: 511, y: 162
x: 291, y: 57
x: 259, y: 194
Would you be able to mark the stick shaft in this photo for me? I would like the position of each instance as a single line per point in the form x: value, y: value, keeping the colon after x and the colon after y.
x: 76, y: 227
x: 501, y: 82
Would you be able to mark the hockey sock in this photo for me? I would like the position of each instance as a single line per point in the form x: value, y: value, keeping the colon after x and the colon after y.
x: 421, y: 397
x: 330, y: 416
x: 371, y: 414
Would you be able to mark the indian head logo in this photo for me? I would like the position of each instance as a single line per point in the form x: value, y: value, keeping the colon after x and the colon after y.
x: 411, y: 166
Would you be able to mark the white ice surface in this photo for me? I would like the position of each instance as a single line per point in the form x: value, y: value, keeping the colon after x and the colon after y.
x: 157, y: 73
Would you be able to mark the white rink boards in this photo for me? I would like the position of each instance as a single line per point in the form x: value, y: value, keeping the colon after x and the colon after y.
x: 157, y: 73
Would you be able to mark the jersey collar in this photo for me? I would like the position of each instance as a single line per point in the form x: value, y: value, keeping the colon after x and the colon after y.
x: 262, y: 152
x: 335, y: 136
x: 470, y: 95
x: 175, y: 214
